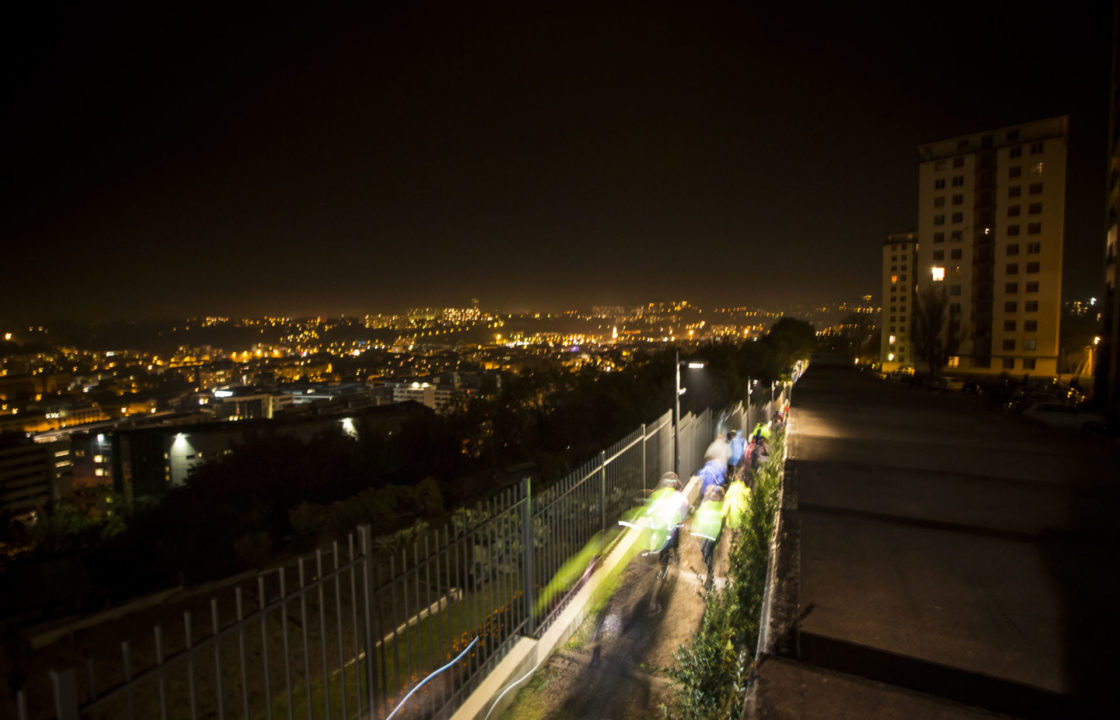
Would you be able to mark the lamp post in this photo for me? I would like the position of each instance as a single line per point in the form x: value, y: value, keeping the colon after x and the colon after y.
x: 677, y: 410
x: 751, y: 384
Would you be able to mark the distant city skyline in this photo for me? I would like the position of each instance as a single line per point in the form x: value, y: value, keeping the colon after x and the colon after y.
x: 558, y: 311
x: 173, y: 161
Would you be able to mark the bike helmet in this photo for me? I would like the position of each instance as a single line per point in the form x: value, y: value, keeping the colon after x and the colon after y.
x: 670, y: 479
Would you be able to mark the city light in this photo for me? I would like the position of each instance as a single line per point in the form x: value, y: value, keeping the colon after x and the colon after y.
x: 937, y: 273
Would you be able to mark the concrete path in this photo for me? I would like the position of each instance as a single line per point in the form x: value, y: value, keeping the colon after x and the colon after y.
x: 941, y: 559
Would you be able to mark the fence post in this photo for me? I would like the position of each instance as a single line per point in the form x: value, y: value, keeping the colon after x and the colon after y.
x: 643, y: 459
x: 366, y: 543
x: 527, y: 553
x: 64, y: 688
x: 602, y: 489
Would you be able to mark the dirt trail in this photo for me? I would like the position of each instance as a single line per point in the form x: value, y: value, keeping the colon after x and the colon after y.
x: 635, y: 647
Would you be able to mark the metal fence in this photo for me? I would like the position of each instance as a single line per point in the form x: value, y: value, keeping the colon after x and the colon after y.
x: 354, y: 629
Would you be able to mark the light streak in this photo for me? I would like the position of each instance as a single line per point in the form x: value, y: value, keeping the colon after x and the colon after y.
x: 425, y: 680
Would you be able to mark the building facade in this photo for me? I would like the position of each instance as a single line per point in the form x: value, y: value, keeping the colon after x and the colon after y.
x: 900, y: 263
x: 150, y: 460
x: 33, y: 474
x: 1107, y: 371
x: 991, y: 218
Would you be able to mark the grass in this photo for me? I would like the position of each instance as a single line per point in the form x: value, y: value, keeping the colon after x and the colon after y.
x: 483, y: 612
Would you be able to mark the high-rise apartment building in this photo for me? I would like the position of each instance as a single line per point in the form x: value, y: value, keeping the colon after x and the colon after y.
x: 1107, y: 380
x: 900, y: 263
x: 991, y: 217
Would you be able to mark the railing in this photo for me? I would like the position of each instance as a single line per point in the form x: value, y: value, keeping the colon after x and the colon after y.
x: 349, y: 631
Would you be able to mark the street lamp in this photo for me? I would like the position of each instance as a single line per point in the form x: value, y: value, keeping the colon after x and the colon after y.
x: 750, y: 389
x: 694, y: 365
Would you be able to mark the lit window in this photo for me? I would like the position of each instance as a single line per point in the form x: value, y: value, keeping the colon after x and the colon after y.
x: 954, y: 361
x: 894, y: 278
x: 891, y: 340
x: 938, y: 273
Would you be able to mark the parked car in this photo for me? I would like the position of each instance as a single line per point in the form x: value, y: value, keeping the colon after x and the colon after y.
x: 1066, y: 416
x: 1024, y: 398
x: 973, y: 386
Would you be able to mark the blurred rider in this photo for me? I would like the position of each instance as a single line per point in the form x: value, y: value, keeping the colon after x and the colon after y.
x: 708, y: 525
x: 667, y: 511
x: 712, y: 474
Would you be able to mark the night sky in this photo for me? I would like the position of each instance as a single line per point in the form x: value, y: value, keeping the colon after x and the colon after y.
x: 184, y: 160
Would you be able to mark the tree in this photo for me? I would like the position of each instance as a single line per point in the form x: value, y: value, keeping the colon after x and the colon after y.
x: 934, y: 337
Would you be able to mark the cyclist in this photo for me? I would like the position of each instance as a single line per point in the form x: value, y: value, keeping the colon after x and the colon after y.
x: 667, y: 511
x: 708, y: 525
